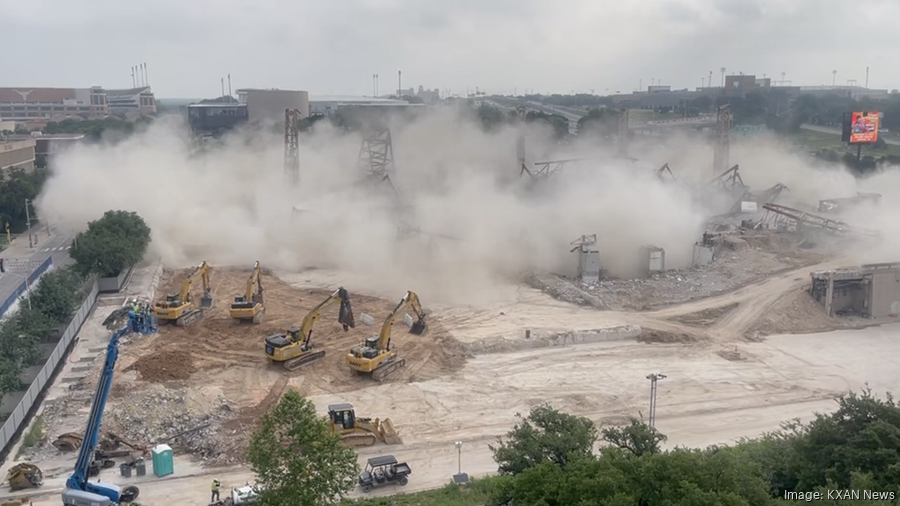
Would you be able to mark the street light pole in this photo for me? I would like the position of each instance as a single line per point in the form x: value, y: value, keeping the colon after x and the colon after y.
x: 28, y: 223
x: 653, y: 379
x: 459, y: 457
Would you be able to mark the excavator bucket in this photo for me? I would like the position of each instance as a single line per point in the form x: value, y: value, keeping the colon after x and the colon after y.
x: 418, y: 327
x: 345, y: 313
x: 25, y: 475
x: 389, y: 433
x: 206, y: 301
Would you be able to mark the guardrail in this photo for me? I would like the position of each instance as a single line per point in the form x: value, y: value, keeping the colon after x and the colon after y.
x: 20, y: 416
x: 24, y: 286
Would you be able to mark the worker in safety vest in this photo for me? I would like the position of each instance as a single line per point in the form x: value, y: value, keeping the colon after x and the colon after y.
x: 215, y: 491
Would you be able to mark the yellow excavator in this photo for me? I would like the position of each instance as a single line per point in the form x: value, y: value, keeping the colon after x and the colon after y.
x: 248, y: 306
x: 360, y: 431
x: 294, y: 349
x: 179, y: 308
x: 375, y: 356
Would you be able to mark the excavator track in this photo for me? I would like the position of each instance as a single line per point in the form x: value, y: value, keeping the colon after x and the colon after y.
x: 189, y: 318
x: 359, y: 439
x: 386, y: 369
x: 298, y: 362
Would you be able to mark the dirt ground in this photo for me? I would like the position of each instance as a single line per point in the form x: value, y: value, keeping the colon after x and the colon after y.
x: 720, y: 386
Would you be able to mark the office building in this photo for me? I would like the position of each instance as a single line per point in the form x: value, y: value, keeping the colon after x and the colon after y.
x: 16, y: 153
x: 37, y: 106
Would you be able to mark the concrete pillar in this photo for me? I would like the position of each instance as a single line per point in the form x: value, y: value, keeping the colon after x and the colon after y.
x: 829, y: 295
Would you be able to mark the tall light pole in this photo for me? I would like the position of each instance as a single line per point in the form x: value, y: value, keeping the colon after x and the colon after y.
x: 28, y: 223
x: 458, y: 457
x: 653, y: 379
x: 399, y: 85
x: 833, y: 77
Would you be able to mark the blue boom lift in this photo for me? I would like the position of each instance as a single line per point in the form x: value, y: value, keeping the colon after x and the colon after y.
x: 79, y: 490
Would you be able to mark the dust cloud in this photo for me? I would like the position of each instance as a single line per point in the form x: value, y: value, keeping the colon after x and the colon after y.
x: 229, y: 205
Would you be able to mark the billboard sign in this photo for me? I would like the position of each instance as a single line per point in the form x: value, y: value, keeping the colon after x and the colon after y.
x: 864, y: 127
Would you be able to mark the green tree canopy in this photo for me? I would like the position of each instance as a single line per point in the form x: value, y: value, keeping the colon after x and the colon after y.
x: 296, y: 458
x: 545, y: 435
x: 599, y: 122
x: 16, y: 187
x: 112, y: 244
x: 636, y: 437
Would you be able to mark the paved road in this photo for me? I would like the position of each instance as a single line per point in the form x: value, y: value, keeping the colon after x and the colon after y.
x: 56, y: 246
x: 837, y: 131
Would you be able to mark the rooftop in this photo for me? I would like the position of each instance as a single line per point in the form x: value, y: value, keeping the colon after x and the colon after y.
x: 38, y: 135
x: 351, y: 98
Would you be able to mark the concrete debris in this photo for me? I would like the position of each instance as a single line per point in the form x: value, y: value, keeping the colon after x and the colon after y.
x: 731, y: 269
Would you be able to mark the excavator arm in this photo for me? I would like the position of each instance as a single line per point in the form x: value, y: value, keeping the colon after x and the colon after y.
x: 410, y: 300
x: 202, y: 273
x: 255, y: 280
x: 345, y: 314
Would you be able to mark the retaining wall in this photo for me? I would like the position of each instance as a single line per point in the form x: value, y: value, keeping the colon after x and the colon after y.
x: 21, y: 414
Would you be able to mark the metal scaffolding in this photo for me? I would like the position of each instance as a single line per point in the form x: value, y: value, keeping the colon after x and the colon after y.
x: 292, y: 119
x: 723, y: 133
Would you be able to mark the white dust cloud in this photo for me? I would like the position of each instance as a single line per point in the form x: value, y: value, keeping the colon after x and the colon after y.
x: 230, y: 205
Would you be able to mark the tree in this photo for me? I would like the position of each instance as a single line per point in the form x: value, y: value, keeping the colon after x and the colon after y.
x: 636, y: 437
x: 16, y: 187
x: 296, y: 458
x: 57, y: 294
x: 599, y: 122
x: 546, y: 435
x: 559, y: 123
x: 112, y: 244
x: 491, y: 117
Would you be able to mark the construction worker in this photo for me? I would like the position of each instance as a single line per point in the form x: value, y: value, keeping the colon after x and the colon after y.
x: 215, y: 491
x: 134, y: 306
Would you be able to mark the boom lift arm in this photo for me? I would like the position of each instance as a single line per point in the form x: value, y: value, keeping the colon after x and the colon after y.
x: 375, y: 355
x: 79, y: 490
x: 249, y: 306
x: 294, y: 348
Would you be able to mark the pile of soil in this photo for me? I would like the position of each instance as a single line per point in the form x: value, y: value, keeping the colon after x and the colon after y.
x: 164, y: 366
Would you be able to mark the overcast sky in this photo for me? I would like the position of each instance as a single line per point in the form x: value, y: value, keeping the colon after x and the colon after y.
x: 334, y: 47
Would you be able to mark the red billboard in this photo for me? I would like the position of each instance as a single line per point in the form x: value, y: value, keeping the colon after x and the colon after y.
x: 864, y: 127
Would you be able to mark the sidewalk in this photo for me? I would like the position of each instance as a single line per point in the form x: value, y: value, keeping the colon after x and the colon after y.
x: 19, y: 247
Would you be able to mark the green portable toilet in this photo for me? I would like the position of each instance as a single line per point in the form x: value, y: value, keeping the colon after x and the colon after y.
x: 163, y: 462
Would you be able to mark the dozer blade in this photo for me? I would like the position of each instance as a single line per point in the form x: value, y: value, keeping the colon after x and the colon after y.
x: 389, y: 433
x: 418, y: 328
x: 207, y: 302
x: 298, y: 362
x: 387, y: 369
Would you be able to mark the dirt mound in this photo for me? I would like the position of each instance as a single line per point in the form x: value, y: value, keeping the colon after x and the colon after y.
x: 706, y: 317
x: 795, y: 313
x: 219, y: 343
x: 164, y: 366
x: 661, y: 336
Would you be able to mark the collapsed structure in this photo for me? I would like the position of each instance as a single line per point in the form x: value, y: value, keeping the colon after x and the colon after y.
x: 871, y: 290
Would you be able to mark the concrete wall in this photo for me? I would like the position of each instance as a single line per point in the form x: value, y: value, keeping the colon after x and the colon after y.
x: 269, y: 105
x: 20, y: 415
x: 35, y: 274
x: 108, y: 285
x: 885, y: 299
x: 18, y: 153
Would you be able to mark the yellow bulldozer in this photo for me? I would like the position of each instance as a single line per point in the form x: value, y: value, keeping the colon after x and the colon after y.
x: 360, y: 431
x: 24, y: 475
